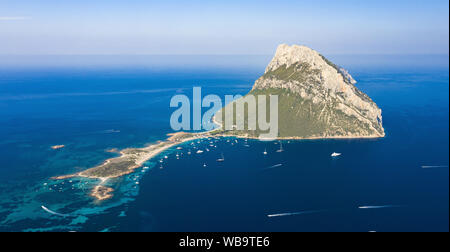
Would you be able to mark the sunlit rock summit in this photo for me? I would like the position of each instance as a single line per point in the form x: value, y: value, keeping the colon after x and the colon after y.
x: 317, y: 99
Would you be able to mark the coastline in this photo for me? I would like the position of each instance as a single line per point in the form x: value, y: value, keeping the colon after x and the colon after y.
x: 131, y: 159
x: 214, y: 120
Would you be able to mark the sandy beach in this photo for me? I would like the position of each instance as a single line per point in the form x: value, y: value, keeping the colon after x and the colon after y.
x: 128, y: 161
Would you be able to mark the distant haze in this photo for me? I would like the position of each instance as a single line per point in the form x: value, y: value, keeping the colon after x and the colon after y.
x: 52, y: 27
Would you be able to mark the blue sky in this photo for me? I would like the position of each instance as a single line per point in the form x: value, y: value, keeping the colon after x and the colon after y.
x: 222, y: 27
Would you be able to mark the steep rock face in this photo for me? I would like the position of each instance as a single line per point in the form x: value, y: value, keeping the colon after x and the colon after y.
x: 316, y: 97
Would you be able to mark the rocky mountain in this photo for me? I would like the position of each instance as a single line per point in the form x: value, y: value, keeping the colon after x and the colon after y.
x: 317, y: 99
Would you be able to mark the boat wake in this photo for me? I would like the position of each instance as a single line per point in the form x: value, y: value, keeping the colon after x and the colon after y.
x: 54, y: 213
x: 321, y: 211
x: 433, y: 166
x: 110, y: 131
x: 295, y: 213
x: 379, y: 207
x: 273, y: 166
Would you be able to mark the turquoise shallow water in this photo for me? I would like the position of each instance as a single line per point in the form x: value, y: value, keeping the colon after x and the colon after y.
x: 93, y: 108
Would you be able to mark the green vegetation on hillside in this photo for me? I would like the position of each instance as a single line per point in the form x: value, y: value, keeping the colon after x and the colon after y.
x: 300, y: 72
x: 298, y: 117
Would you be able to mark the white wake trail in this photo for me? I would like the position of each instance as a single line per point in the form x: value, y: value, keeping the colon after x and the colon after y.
x: 294, y: 213
x: 433, y: 166
x: 54, y: 213
x: 379, y: 207
x: 273, y: 166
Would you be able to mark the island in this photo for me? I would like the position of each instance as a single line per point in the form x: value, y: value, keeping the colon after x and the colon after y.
x: 317, y: 99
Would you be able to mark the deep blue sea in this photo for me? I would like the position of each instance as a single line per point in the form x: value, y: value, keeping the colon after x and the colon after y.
x: 93, y: 103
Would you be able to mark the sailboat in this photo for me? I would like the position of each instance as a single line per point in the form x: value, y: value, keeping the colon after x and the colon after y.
x: 281, y: 147
x: 221, y: 159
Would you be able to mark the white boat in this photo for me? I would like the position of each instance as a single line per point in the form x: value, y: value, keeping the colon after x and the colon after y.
x: 204, y: 165
x: 199, y: 152
x: 265, y: 152
x: 166, y: 157
x: 335, y: 154
x: 179, y: 148
x: 281, y: 147
x: 221, y: 159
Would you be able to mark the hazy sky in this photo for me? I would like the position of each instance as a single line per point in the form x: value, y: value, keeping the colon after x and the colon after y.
x: 225, y: 27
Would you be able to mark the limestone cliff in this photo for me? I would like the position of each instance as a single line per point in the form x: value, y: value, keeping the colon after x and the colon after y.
x: 317, y: 99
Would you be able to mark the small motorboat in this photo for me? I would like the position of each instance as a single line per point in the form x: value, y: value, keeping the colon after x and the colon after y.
x: 335, y: 154
x: 281, y: 147
x: 221, y: 159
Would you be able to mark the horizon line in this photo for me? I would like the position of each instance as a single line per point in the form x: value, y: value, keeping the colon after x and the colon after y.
x: 220, y: 54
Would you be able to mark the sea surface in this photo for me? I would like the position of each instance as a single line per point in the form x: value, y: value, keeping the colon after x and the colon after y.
x: 91, y: 104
